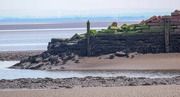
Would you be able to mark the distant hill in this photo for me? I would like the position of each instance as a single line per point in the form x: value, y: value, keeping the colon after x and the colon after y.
x: 71, y: 19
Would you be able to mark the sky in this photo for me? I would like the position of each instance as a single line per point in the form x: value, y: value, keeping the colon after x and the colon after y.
x: 63, y: 8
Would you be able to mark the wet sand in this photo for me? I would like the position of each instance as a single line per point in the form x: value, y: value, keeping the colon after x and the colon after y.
x: 161, y: 61
x: 135, y: 61
x: 127, y: 91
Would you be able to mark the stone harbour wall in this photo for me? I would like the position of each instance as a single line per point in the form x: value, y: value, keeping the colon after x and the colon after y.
x: 106, y: 44
x: 174, y: 43
x: 146, y: 43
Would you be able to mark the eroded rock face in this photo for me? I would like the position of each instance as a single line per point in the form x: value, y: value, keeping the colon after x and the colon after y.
x: 76, y: 46
x: 44, y: 60
x: 58, y: 53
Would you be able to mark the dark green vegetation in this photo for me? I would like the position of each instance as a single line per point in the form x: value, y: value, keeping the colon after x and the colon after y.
x: 133, y: 29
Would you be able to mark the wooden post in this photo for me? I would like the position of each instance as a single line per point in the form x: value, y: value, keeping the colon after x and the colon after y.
x: 88, y: 39
x: 167, y: 34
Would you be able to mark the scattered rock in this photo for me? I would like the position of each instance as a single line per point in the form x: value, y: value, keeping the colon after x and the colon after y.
x: 62, y: 68
x: 111, y: 56
x: 163, y: 83
x: 120, y: 54
x: 147, y: 84
x: 132, y: 84
x: 89, y: 81
x: 77, y: 61
x: 69, y: 87
x: 132, y: 56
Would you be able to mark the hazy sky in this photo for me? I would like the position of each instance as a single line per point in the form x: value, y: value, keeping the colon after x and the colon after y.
x: 9, y: 7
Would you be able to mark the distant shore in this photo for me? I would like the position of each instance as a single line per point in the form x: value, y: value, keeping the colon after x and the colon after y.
x: 18, y: 55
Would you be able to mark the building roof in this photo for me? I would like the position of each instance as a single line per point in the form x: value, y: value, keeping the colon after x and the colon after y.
x: 176, y: 10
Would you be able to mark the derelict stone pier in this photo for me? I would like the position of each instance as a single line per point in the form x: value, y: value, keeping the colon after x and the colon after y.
x: 162, y: 34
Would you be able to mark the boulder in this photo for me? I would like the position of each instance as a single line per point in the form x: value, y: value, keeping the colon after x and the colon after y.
x: 120, y: 54
x: 36, y: 66
x: 53, y: 59
x: 77, y: 61
x: 111, y: 56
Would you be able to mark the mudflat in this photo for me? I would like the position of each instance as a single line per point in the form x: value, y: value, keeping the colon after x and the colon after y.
x: 18, y: 55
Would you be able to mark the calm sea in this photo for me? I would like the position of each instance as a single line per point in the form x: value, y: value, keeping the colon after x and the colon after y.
x: 35, y: 36
x: 6, y: 73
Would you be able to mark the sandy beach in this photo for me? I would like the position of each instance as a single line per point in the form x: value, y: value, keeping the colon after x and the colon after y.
x: 161, y: 61
x: 128, y: 91
x: 148, y: 87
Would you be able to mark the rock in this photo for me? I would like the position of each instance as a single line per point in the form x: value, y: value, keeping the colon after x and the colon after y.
x: 88, y: 77
x: 53, y: 59
x: 141, y: 78
x: 89, y: 81
x: 132, y: 56
x: 49, y: 79
x: 65, y: 57
x: 68, y: 87
x: 132, y: 84
x: 163, y: 83
x: 120, y: 54
x: 147, y: 84
x: 36, y: 66
x: 72, y: 55
x: 131, y: 79
x: 111, y: 56
x: 62, y: 68
x: 77, y: 61
x: 122, y: 77
x: 45, y: 55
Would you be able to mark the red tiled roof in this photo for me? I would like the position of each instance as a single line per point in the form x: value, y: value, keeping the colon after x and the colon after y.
x: 159, y: 17
x: 176, y: 10
x: 142, y: 22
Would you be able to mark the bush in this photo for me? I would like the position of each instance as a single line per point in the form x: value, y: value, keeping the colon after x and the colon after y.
x: 113, y: 27
x: 93, y: 32
x: 124, y: 27
x: 142, y: 28
x: 76, y: 36
x: 111, y: 31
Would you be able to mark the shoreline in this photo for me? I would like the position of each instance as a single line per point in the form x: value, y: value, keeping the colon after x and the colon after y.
x: 139, y: 62
x: 155, y: 70
x: 89, y: 81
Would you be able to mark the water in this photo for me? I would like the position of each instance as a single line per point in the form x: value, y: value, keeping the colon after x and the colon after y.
x: 6, y: 73
x: 35, y: 36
